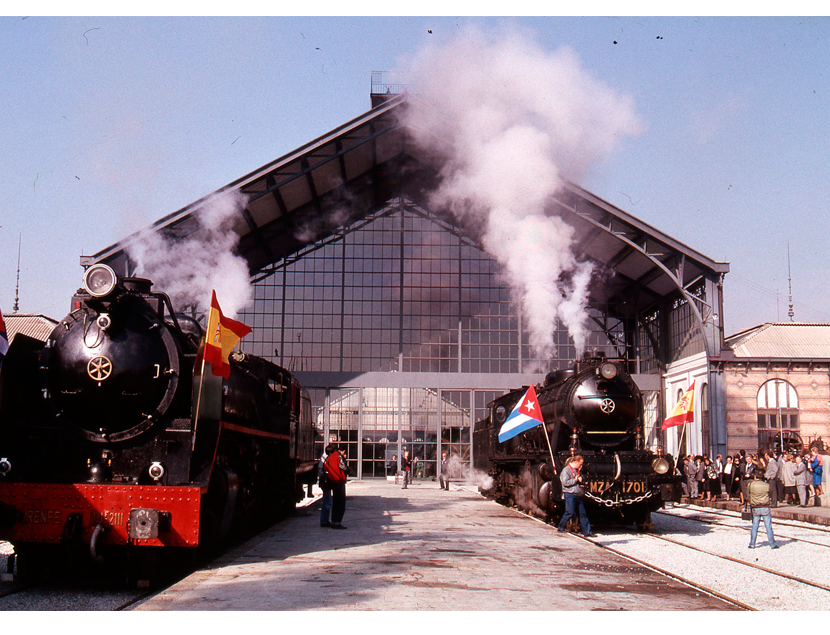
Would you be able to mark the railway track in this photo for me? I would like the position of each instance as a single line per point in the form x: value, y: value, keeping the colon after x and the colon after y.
x: 709, y: 551
x: 709, y: 515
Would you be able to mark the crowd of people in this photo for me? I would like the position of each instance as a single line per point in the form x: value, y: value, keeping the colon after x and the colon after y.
x: 794, y: 478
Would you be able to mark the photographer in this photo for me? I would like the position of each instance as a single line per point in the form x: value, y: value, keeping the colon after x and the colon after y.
x: 572, y: 489
x: 759, y: 503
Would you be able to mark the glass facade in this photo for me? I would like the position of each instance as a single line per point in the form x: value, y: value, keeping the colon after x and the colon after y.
x: 383, y: 319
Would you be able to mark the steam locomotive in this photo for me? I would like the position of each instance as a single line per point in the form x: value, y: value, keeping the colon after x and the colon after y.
x: 593, y: 409
x: 115, y: 435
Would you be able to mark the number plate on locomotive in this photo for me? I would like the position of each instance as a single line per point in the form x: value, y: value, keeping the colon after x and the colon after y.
x: 626, y: 487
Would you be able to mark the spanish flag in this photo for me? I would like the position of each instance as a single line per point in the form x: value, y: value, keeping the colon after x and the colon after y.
x: 684, y: 411
x: 223, y: 333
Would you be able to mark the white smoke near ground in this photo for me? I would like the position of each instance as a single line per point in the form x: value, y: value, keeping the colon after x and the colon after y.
x: 506, y: 122
x: 523, y: 494
x: 188, y: 269
x: 457, y: 468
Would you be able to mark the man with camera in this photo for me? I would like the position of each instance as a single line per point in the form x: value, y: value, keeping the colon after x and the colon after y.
x: 759, y: 503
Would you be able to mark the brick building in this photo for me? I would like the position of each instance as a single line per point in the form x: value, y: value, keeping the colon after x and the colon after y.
x: 777, y: 380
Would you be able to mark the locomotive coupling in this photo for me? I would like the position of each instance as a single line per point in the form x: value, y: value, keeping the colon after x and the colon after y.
x: 147, y: 523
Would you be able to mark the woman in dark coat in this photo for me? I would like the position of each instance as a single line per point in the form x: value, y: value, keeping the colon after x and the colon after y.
x: 728, y: 469
x: 735, y: 490
x: 712, y: 486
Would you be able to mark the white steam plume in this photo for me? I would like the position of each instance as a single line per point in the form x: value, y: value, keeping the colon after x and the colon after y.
x: 188, y: 269
x: 507, y: 121
x: 458, y: 468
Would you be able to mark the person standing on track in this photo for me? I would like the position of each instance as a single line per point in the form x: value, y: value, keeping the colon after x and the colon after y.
x: 759, y: 503
x: 572, y: 490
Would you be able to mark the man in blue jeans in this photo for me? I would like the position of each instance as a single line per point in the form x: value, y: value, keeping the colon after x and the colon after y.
x: 325, y: 485
x: 759, y: 502
x: 572, y: 489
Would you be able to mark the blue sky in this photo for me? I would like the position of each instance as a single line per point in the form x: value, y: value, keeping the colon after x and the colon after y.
x: 110, y: 123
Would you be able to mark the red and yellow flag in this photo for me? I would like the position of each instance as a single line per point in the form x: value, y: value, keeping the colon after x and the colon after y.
x: 223, y: 333
x: 684, y: 411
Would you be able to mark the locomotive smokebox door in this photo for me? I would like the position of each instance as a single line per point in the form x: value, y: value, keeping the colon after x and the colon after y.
x: 144, y: 523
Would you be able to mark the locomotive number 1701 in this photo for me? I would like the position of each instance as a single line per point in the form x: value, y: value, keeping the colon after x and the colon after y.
x: 627, y: 487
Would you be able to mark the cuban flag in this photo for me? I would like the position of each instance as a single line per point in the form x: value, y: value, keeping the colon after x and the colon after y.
x: 526, y: 415
x: 4, y: 339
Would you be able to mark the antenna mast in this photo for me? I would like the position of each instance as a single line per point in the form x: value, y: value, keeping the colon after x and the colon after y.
x: 791, y: 313
x: 16, y: 306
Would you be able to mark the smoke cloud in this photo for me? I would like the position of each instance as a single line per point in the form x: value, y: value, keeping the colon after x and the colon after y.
x: 507, y: 121
x: 187, y: 269
x: 458, y: 468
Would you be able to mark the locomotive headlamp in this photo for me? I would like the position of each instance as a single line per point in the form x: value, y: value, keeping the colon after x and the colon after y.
x: 5, y: 466
x: 661, y: 465
x: 501, y: 413
x: 100, y: 280
x: 608, y: 370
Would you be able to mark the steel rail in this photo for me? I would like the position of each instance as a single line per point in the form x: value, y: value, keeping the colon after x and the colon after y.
x: 736, y: 526
x: 647, y: 565
x: 743, y: 562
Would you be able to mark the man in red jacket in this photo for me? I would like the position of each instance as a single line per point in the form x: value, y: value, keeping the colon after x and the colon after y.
x: 337, y: 472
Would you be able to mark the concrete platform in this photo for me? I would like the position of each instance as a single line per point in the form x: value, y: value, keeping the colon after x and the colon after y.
x: 424, y: 549
x: 817, y: 515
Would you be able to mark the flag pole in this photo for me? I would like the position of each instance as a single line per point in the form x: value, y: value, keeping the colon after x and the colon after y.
x: 550, y: 449
x: 198, y: 400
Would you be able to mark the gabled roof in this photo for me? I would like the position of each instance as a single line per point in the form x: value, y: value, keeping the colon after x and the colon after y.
x: 37, y: 326
x: 360, y: 166
x: 782, y: 340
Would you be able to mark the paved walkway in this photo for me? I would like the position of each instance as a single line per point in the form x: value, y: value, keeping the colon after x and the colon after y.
x: 424, y: 549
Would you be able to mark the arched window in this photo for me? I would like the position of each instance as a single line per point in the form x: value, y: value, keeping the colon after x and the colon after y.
x: 777, y: 410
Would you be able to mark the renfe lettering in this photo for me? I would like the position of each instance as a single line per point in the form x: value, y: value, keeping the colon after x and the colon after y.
x: 43, y: 517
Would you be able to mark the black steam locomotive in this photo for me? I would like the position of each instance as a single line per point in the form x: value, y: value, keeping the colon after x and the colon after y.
x: 116, y: 436
x: 593, y: 409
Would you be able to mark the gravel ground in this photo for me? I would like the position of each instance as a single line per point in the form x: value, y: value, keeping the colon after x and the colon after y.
x: 768, y: 591
x: 62, y: 598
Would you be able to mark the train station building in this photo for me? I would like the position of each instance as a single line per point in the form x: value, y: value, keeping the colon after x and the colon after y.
x: 400, y: 323
x: 777, y: 380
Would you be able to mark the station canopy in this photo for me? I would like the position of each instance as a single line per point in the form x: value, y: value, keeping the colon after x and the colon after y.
x: 359, y: 167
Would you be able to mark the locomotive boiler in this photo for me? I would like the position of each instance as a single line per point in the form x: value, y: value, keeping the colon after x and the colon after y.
x: 116, y: 436
x: 594, y: 409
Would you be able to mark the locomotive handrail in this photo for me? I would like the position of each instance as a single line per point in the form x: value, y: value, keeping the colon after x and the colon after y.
x: 618, y: 463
